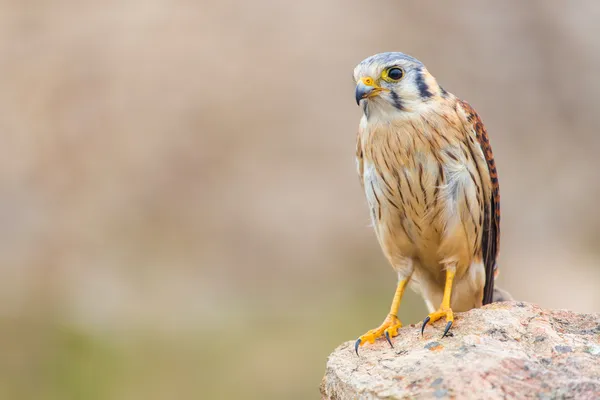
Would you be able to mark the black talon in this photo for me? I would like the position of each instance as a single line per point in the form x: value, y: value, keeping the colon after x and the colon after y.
x: 387, y: 336
x: 448, y: 325
x: 425, y: 322
x: 356, y: 345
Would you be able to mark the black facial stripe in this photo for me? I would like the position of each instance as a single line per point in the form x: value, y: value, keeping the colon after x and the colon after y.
x: 422, y: 85
x: 397, y: 101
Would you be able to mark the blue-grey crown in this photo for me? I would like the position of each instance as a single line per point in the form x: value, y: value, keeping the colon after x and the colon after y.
x: 390, y: 58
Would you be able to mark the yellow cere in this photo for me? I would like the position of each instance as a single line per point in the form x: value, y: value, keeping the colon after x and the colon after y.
x: 367, y: 80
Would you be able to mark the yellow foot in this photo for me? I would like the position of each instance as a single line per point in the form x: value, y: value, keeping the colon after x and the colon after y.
x: 434, y: 316
x: 389, y: 328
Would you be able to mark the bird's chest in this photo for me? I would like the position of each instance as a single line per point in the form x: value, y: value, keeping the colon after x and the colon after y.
x: 405, y: 172
x: 403, y: 188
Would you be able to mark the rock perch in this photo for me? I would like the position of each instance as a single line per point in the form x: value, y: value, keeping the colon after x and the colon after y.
x: 510, y: 350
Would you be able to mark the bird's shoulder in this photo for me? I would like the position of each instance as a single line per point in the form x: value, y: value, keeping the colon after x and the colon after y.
x: 491, y: 240
x: 473, y: 122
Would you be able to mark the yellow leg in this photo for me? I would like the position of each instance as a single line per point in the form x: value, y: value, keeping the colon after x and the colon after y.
x: 444, y: 310
x: 390, y: 325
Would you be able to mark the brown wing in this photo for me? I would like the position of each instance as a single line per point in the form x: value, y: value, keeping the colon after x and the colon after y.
x: 490, y: 242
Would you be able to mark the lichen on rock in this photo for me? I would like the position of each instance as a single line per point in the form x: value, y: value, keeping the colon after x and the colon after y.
x: 503, y: 350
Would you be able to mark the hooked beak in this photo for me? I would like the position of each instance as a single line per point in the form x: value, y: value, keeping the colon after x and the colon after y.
x: 365, y: 88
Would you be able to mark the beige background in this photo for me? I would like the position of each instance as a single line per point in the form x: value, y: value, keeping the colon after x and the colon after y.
x: 179, y: 208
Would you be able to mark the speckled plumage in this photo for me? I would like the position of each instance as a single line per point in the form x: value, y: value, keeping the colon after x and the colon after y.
x: 429, y: 176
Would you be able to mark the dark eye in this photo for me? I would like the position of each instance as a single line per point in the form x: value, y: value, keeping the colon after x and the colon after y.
x: 395, y: 73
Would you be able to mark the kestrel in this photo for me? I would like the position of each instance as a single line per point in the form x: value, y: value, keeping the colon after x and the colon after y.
x: 427, y: 168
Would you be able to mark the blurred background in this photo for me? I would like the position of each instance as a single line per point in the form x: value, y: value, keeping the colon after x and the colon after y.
x: 180, y: 212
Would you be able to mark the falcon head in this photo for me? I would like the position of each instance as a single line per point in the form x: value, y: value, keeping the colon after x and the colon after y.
x: 389, y: 83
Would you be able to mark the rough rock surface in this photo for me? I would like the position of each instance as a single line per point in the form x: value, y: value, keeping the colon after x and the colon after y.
x: 509, y: 350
